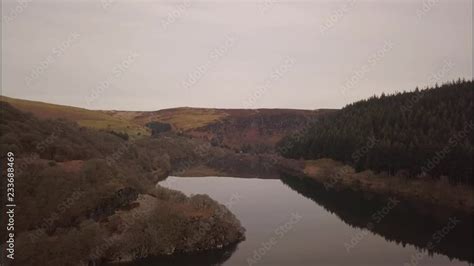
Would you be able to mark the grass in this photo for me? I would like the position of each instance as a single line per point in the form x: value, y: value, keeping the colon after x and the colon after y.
x: 183, y: 119
x: 130, y: 122
x: 134, y: 122
x: 128, y: 127
x: 84, y: 117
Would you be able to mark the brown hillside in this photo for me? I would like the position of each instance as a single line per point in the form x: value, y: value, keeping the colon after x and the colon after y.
x: 248, y: 130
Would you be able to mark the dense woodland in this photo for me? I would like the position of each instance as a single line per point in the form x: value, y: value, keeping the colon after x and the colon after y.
x: 423, y: 133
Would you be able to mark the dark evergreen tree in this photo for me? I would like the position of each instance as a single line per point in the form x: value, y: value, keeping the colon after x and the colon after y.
x: 421, y: 132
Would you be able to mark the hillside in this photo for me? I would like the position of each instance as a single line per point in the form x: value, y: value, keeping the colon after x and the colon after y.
x: 424, y: 133
x: 255, y: 131
x: 81, y: 189
x: 84, y: 117
x: 181, y: 119
x: 109, y: 181
x: 246, y: 130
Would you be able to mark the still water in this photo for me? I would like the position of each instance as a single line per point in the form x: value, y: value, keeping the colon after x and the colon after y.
x: 290, y: 221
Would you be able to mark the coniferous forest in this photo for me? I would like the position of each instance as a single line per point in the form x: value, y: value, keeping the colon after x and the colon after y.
x: 423, y: 133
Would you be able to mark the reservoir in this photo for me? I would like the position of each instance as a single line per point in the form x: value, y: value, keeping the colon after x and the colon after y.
x: 292, y: 221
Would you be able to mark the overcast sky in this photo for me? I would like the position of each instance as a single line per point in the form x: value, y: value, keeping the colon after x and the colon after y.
x: 148, y: 55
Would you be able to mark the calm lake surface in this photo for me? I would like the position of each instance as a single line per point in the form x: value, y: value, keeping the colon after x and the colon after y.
x: 290, y: 222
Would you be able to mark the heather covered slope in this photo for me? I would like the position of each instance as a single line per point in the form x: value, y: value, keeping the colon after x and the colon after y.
x: 246, y: 130
x: 80, y: 190
x: 256, y: 131
x: 242, y: 130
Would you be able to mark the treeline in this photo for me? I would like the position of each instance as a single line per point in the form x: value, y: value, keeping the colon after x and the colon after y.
x: 421, y: 133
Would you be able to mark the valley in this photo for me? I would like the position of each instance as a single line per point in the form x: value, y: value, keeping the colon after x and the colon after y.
x: 102, y: 178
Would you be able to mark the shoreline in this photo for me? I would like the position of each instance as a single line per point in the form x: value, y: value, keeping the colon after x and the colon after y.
x: 333, y: 174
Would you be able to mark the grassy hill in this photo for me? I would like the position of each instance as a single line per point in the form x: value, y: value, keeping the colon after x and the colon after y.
x: 130, y: 122
x: 84, y: 117
x: 181, y: 119
x: 248, y: 130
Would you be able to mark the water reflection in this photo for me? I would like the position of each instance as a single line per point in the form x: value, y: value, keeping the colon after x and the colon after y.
x: 428, y: 228
x: 330, y: 219
x: 208, y: 258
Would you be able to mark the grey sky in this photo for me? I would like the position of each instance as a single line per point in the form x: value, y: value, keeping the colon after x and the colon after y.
x: 139, y: 55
